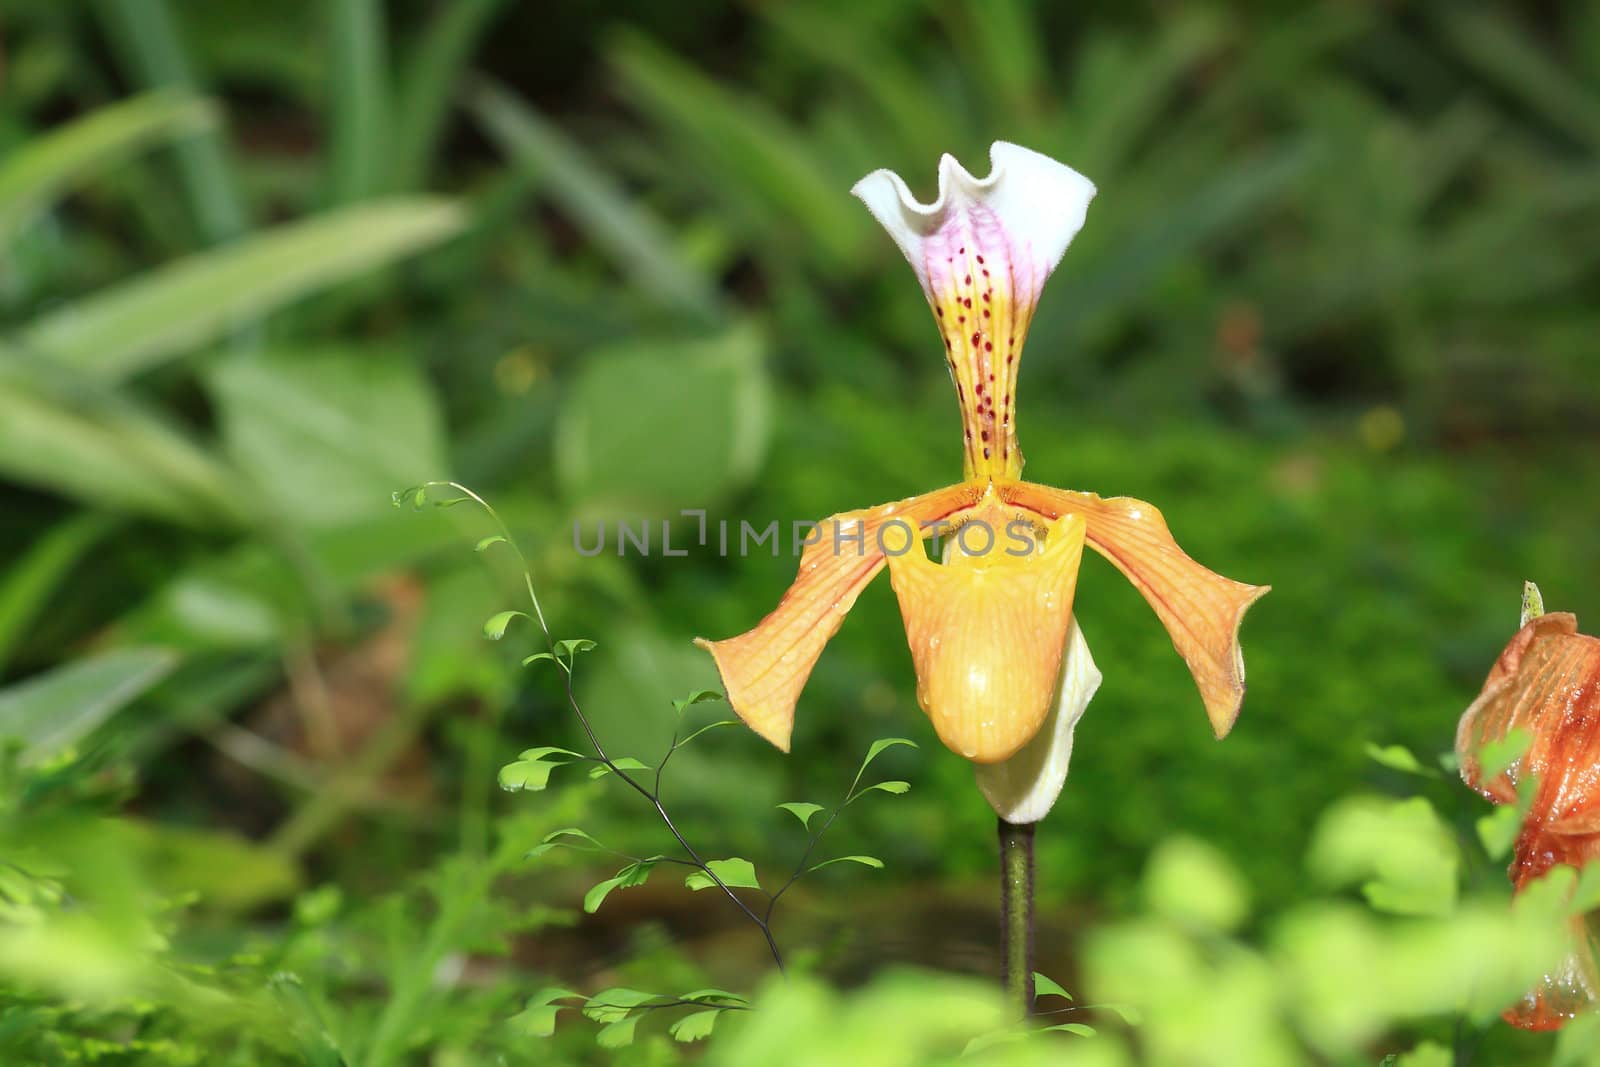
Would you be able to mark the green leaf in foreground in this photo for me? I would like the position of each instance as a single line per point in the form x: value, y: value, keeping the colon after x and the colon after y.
x: 699, y: 696
x: 865, y: 861
x: 1497, y: 756
x: 694, y: 1027
x: 735, y: 873
x: 801, y: 810
x: 609, y: 1005
x: 1045, y: 986
x: 633, y: 874
x: 623, y: 763
x: 538, y: 1016
x: 530, y: 772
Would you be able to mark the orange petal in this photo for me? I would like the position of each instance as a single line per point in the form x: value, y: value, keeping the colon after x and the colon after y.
x: 1201, y: 609
x: 987, y: 632
x: 1547, y: 681
x: 764, y: 669
x: 1572, y: 989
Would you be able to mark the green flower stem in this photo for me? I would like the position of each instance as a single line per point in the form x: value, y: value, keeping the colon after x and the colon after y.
x: 1016, y: 914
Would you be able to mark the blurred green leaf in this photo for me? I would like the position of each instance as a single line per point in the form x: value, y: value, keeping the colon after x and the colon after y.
x: 744, y: 151
x: 1399, y: 758
x: 30, y: 579
x: 147, y: 35
x: 1190, y: 882
x: 110, y: 454
x: 623, y: 229
x: 225, y: 871
x: 324, y: 436
x: 140, y: 323
x: 359, y: 144
x: 1496, y: 756
x: 695, y: 1026
x: 647, y: 429
x: 32, y: 176
x: 1406, y: 855
x: 51, y: 713
x: 428, y: 84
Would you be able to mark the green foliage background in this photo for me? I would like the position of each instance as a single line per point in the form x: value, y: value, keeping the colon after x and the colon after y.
x: 1334, y: 312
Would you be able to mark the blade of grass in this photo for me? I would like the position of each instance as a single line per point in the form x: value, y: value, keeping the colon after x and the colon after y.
x: 428, y: 84
x: 634, y: 240
x: 358, y: 105
x: 146, y: 36
x: 111, y: 455
x: 159, y: 315
x: 30, y: 579
x: 744, y: 154
x: 1503, y: 54
x: 56, y: 710
x: 47, y: 166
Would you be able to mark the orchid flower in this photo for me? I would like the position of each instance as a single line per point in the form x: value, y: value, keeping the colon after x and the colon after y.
x: 1002, y: 670
x: 1547, y: 683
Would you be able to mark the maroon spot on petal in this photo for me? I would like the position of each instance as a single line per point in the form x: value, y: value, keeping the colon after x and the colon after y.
x: 985, y: 272
x: 985, y: 435
x: 1006, y: 399
x: 988, y: 294
x: 988, y: 346
x: 963, y: 250
x: 980, y: 263
x: 985, y: 453
x: 976, y: 338
x: 985, y: 312
x: 969, y: 279
x: 967, y: 302
x: 939, y: 311
x: 1011, y: 357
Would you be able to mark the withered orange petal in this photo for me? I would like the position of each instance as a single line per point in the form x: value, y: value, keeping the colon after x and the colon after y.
x: 987, y: 635
x: 1202, y: 610
x: 1547, y: 682
x: 764, y: 669
x: 1568, y: 991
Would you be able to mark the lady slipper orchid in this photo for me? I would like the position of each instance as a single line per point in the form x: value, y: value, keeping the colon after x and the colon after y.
x: 1002, y: 670
x: 1547, y: 683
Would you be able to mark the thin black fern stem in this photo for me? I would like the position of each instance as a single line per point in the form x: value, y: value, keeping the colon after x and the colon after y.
x: 650, y: 795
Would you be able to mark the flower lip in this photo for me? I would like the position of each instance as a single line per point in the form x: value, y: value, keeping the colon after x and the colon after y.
x: 1036, y: 199
x: 956, y: 179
